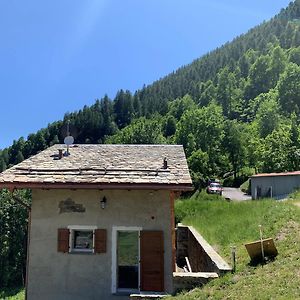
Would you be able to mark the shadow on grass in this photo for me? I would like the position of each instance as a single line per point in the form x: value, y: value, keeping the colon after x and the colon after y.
x: 261, y: 262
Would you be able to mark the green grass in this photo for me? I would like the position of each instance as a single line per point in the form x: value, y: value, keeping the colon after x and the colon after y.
x: 295, y: 195
x: 225, y: 224
x: 12, y: 294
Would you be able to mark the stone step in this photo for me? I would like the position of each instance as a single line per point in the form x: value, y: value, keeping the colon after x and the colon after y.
x: 190, y: 280
x: 148, y: 295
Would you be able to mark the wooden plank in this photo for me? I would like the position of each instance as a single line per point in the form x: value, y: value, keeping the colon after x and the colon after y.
x: 100, y: 241
x: 254, y: 249
x: 152, y: 261
x: 188, y: 264
x: 63, y: 235
x: 87, y: 185
x: 172, y: 200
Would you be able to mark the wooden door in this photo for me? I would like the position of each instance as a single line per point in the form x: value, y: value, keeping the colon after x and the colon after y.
x: 152, y: 261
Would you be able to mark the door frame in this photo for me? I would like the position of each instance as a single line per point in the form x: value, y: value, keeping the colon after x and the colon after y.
x: 115, y: 230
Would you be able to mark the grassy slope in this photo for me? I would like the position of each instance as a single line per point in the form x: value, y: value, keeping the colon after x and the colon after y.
x: 14, y: 294
x: 225, y: 224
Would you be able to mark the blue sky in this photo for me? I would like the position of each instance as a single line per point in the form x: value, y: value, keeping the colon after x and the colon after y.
x: 56, y: 56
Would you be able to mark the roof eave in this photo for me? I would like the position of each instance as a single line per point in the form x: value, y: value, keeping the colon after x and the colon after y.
x: 100, y: 186
x: 274, y: 175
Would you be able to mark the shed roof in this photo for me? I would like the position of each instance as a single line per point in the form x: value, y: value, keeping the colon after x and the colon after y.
x: 102, y: 166
x: 295, y: 173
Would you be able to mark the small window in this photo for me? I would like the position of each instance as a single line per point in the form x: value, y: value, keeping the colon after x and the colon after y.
x: 83, y: 240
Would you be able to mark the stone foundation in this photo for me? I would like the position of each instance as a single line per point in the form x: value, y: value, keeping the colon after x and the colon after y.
x: 188, y: 281
x: 202, y: 257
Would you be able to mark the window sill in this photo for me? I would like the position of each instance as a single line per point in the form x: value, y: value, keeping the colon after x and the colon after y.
x: 82, y: 252
x: 125, y: 292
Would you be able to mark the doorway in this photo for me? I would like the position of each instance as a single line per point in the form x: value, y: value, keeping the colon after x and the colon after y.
x: 128, y: 259
x: 137, y: 260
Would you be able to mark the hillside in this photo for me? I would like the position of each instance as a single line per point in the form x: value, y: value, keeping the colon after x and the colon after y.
x: 235, y: 110
x: 225, y: 225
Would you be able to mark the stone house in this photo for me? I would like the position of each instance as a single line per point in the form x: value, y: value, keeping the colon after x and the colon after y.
x: 102, y: 219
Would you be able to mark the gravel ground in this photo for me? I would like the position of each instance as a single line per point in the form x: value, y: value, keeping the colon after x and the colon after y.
x: 235, y: 194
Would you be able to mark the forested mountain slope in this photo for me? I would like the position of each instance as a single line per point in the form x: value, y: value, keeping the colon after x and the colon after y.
x: 228, y: 108
x: 282, y: 29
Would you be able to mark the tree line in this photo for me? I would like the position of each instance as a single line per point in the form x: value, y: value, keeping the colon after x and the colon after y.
x: 240, y: 123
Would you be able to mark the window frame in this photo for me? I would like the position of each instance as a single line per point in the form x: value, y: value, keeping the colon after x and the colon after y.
x: 72, y: 229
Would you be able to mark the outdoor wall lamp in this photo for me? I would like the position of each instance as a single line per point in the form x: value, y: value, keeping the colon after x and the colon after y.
x: 103, y: 202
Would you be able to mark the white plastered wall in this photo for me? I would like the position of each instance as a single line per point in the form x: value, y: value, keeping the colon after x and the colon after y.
x: 54, y: 275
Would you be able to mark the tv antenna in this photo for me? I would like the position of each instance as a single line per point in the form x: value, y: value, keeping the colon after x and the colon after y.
x: 69, y: 140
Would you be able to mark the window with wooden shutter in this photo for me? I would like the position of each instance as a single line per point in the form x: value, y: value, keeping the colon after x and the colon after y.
x: 100, y: 241
x: 63, y: 240
x: 152, y: 261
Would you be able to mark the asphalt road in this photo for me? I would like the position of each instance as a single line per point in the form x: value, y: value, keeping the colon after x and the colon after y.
x: 235, y: 194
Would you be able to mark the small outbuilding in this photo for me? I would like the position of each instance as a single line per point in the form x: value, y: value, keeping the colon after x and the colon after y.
x: 274, y: 185
x: 102, y: 219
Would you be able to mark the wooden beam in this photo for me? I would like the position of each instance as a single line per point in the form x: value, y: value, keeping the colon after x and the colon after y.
x: 172, y: 200
x: 27, y: 254
x: 104, y: 186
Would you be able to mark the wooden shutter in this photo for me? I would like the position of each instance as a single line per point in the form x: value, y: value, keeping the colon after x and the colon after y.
x: 63, y: 240
x: 152, y: 261
x: 100, y: 241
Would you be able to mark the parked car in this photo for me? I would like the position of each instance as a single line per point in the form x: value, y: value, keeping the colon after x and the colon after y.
x: 214, y: 188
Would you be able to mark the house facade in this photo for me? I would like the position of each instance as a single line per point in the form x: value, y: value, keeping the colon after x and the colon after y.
x: 102, y: 219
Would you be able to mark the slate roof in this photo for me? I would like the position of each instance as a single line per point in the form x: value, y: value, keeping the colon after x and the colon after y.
x: 294, y: 173
x: 102, y: 166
